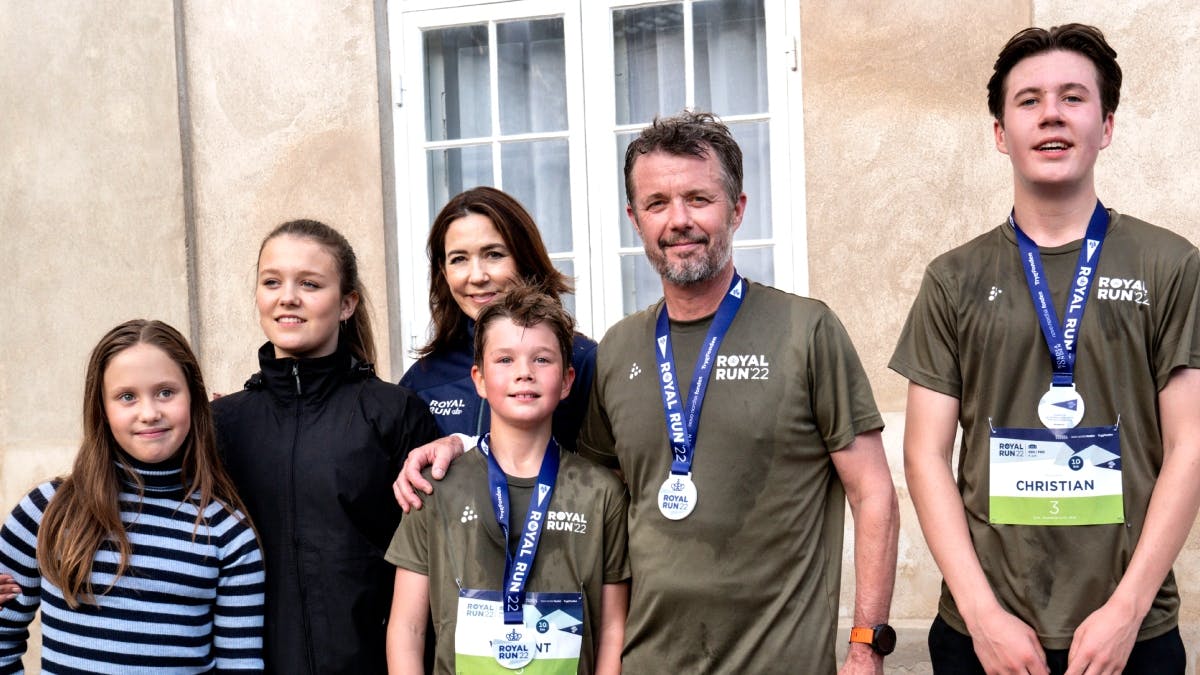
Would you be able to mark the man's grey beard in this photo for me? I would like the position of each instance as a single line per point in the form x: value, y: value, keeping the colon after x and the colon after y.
x: 694, y: 270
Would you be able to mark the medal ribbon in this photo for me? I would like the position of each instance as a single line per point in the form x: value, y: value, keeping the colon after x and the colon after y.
x: 1063, y: 339
x: 518, y: 568
x: 682, y: 428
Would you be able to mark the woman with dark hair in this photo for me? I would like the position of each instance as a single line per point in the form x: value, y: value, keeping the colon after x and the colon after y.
x: 481, y: 243
x: 311, y: 443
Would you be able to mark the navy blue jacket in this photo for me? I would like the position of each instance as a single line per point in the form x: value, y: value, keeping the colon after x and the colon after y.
x: 443, y: 380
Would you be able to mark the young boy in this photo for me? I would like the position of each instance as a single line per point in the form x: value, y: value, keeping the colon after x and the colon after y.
x: 1081, y: 433
x: 520, y: 554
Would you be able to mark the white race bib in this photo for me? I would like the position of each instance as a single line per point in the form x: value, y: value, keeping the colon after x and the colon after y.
x: 1055, y: 477
x: 547, y: 643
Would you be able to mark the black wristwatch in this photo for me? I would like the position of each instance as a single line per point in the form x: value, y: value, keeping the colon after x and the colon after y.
x: 881, y: 638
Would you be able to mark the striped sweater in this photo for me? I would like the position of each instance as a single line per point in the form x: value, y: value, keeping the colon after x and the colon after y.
x: 184, y: 605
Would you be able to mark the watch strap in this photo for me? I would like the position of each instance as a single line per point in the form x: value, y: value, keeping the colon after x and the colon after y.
x: 862, y: 634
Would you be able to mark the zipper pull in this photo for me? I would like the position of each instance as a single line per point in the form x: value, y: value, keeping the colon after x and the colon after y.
x: 296, y: 374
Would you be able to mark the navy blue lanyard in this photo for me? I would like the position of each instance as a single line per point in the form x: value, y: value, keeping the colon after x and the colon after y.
x: 1063, y: 339
x: 681, y: 428
x: 518, y: 568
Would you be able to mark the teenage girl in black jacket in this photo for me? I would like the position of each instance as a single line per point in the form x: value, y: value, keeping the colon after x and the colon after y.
x: 312, y: 443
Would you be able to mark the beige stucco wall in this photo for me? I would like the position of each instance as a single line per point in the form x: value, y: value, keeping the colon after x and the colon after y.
x: 284, y: 123
x: 90, y: 206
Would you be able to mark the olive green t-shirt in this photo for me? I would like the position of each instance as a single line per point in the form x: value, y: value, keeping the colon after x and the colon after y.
x: 973, y: 334
x: 748, y: 583
x: 455, y: 536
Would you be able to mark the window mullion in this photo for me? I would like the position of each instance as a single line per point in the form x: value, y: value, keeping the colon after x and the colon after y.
x: 689, y: 58
x: 494, y: 85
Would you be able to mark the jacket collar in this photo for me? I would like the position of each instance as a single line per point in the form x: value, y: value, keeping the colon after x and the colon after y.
x: 309, y: 379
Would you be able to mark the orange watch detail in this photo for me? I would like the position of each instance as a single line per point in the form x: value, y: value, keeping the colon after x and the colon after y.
x: 880, y: 638
x: 863, y: 635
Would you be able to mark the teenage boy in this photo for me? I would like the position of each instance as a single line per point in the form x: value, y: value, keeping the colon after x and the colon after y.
x: 1081, y: 433
x: 521, y: 552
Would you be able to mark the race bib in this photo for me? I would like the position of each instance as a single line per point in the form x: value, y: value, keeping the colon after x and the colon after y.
x: 547, y: 643
x: 1055, y: 477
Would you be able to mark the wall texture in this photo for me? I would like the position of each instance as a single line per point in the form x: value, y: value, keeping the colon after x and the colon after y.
x: 90, y: 206
x: 282, y: 122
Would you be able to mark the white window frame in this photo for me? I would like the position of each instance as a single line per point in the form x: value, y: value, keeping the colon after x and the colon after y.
x: 593, y: 164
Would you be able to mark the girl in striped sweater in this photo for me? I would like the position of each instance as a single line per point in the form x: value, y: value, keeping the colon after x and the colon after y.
x: 141, y: 559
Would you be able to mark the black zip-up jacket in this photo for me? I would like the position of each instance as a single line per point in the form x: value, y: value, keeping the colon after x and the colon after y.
x: 313, y: 446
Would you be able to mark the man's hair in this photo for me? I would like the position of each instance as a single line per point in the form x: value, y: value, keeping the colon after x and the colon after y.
x: 527, y: 305
x: 1072, y: 37
x: 689, y: 133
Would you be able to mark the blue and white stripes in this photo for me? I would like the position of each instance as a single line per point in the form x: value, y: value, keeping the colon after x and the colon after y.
x: 185, y: 604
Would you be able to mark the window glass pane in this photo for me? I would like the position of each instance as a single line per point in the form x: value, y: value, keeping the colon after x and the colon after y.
x: 567, y: 267
x: 648, y: 62
x: 756, y: 264
x: 538, y: 174
x: 628, y: 235
x: 640, y: 285
x: 752, y: 137
x: 457, y: 83
x: 452, y: 170
x: 730, y: 56
x: 532, y: 73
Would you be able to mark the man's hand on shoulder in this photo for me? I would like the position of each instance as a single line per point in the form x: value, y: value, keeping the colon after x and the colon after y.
x: 439, y: 453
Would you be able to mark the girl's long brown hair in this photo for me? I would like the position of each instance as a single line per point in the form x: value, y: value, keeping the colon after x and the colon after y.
x: 84, y: 512
x: 524, y: 243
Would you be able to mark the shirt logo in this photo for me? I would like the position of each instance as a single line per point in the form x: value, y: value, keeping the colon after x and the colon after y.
x: 994, y: 293
x: 1116, y: 289
x: 742, y: 367
x: 468, y: 515
x: 448, y: 407
x: 634, y: 371
x: 566, y: 521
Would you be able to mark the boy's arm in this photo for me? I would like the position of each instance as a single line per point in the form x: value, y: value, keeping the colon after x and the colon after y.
x: 1003, y: 643
x: 1104, y: 640
x: 614, y: 606
x: 406, y: 627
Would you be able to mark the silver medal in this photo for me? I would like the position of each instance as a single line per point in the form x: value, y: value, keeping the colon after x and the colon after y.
x: 1061, y: 408
x: 677, y: 497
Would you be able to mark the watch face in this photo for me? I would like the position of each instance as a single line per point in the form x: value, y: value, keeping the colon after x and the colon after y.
x: 885, y: 639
